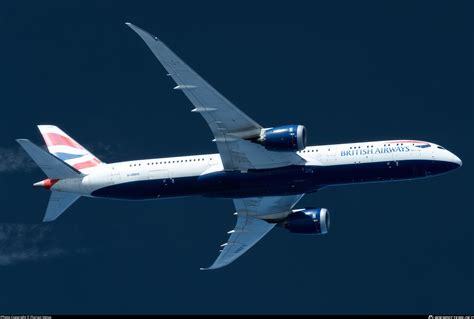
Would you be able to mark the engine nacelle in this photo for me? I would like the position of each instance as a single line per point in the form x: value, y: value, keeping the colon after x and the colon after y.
x: 308, y: 221
x: 284, y: 138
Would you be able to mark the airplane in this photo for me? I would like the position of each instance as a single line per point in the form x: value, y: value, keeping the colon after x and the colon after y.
x: 264, y: 170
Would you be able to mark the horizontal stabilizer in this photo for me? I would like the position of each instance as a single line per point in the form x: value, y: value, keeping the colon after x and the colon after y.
x: 52, y: 166
x: 58, y: 203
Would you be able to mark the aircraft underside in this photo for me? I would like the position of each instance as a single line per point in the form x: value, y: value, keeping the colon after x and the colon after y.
x: 288, y: 180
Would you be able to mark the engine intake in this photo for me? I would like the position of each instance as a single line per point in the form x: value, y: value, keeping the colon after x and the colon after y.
x: 308, y: 221
x: 283, y: 138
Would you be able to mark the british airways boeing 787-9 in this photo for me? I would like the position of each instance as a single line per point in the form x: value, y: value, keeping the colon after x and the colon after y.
x: 265, y: 171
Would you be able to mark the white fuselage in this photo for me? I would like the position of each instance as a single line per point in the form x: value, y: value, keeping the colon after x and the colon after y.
x: 170, y: 169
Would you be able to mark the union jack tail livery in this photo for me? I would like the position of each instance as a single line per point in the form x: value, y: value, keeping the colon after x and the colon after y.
x: 67, y: 149
x: 67, y: 162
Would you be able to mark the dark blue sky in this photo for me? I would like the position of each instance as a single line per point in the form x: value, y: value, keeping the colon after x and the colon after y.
x: 348, y: 70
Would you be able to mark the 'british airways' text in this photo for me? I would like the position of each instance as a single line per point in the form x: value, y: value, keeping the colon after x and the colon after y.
x: 378, y: 150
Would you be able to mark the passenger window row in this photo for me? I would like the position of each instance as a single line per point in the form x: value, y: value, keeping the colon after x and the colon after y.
x: 170, y: 162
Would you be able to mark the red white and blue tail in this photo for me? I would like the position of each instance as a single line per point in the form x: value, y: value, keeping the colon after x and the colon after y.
x: 68, y: 150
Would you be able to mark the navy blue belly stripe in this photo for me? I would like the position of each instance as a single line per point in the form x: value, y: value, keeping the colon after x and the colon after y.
x: 279, y: 181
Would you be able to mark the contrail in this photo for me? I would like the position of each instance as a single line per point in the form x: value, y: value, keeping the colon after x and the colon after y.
x: 31, y: 242
x: 25, y: 242
x: 14, y: 160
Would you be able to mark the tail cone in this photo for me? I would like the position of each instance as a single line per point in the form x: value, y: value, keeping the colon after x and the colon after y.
x: 39, y: 184
x: 47, y: 183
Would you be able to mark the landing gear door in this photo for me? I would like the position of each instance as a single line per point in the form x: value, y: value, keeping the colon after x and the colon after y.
x: 162, y: 175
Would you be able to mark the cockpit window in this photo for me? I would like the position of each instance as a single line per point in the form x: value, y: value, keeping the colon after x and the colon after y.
x: 423, y: 145
x: 441, y: 148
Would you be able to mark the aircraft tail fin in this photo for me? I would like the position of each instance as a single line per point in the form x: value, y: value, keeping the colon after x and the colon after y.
x: 58, y: 203
x: 52, y: 166
x: 67, y: 149
x: 55, y: 169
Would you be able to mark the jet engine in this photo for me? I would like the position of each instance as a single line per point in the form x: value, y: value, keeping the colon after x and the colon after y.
x: 284, y: 138
x: 313, y: 221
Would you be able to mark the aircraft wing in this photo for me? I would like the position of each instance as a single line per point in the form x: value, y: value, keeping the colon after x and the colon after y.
x: 229, y: 125
x: 250, y: 227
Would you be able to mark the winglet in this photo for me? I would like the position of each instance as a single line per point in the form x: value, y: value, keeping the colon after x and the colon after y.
x: 212, y: 267
x: 209, y: 268
x: 140, y: 31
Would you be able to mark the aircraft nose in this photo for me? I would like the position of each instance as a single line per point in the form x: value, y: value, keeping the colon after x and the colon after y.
x: 456, y: 160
